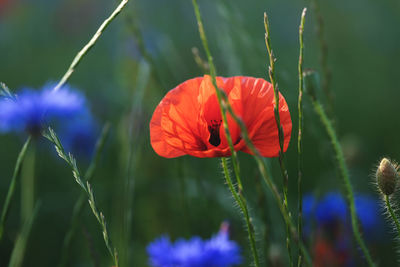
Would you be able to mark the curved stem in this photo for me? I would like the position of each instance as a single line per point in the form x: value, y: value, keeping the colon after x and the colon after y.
x: 299, y: 136
x: 11, y: 188
x: 323, y: 58
x: 392, y: 214
x: 242, y: 204
x: 18, y: 252
x: 235, y: 161
x: 79, y: 204
x: 89, y: 45
x: 345, y: 176
x: 285, y: 176
x: 226, y: 105
x: 87, y: 188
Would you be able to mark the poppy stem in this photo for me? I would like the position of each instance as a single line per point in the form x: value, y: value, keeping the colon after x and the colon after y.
x: 240, y: 200
x: 270, y: 183
x: 89, y: 45
x: 285, y: 176
x: 11, y: 188
x: 79, y: 204
x: 299, y: 137
x: 226, y: 105
x: 223, y: 103
x: 392, y: 214
x: 87, y: 188
x: 319, y: 110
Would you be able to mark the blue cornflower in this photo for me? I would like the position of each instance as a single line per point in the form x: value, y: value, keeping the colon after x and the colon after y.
x: 218, y: 251
x: 368, y: 211
x: 78, y: 135
x: 309, y: 203
x: 32, y: 110
x: 331, y: 209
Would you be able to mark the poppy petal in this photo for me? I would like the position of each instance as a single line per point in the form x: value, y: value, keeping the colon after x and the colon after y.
x: 188, y: 119
x: 211, y: 112
x: 175, y: 126
x: 258, y: 98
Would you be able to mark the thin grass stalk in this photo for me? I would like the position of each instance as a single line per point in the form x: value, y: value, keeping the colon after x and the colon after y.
x: 219, y: 93
x: 5, y: 92
x: 268, y: 180
x: 11, y: 188
x: 235, y: 162
x: 392, y: 214
x: 17, y: 255
x: 263, y: 214
x: 138, y: 37
x: 319, y: 110
x: 256, y: 155
x: 323, y: 58
x: 299, y: 136
x: 89, y: 45
x: 79, y: 204
x: 87, y: 188
x: 28, y: 183
x: 285, y: 176
x: 133, y: 157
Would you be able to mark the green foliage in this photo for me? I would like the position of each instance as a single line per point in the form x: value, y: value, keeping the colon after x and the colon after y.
x: 145, y: 53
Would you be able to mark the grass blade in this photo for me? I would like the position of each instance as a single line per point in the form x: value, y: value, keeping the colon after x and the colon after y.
x: 11, y: 188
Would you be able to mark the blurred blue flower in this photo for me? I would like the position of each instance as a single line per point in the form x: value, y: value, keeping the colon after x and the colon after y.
x: 331, y: 209
x: 32, y: 109
x: 309, y: 203
x: 218, y: 251
x: 368, y: 212
x: 79, y: 134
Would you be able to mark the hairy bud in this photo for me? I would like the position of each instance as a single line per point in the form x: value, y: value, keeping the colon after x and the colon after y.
x: 387, y: 176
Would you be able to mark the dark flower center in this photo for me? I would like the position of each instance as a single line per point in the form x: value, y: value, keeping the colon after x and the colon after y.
x: 34, y: 129
x: 213, y: 128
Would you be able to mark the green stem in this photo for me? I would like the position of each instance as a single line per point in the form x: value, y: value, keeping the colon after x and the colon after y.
x: 258, y: 158
x: 132, y: 142
x: 285, y: 176
x: 326, y: 72
x: 392, y: 214
x: 79, y: 204
x: 28, y: 184
x: 240, y: 200
x: 89, y: 45
x: 250, y: 145
x: 11, y: 188
x: 138, y: 37
x: 87, y: 188
x: 299, y: 136
x: 263, y: 211
x: 235, y: 162
x: 345, y: 176
x: 17, y: 255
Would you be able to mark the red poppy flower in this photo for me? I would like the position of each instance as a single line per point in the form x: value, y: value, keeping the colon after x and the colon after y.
x: 188, y: 119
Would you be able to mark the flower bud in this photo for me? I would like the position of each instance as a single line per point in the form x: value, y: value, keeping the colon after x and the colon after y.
x: 387, y: 176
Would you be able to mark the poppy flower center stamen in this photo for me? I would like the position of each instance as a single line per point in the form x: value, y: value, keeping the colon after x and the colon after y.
x: 213, y: 128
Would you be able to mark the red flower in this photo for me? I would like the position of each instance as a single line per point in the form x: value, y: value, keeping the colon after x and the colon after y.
x: 188, y: 119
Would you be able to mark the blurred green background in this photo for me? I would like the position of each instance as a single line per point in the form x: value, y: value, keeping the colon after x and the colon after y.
x: 187, y: 196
